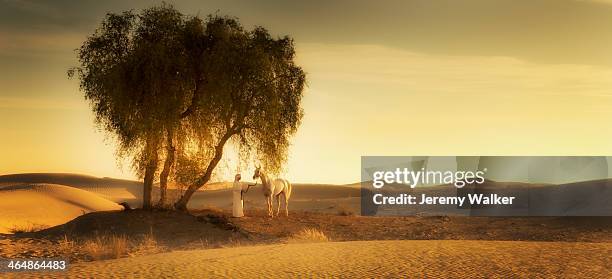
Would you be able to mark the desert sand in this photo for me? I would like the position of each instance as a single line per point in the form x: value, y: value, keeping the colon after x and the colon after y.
x: 25, y: 206
x: 116, y: 190
x: 404, y: 258
x: 311, y: 197
x: 208, y: 243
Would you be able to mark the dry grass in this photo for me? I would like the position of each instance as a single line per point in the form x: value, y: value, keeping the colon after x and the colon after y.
x: 106, y: 247
x: 344, y: 210
x: 27, y: 228
x: 232, y: 243
x: 66, y: 246
x: 146, y: 245
x: 309, y: 235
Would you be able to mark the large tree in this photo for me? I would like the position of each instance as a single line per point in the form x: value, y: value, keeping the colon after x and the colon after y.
x: 179, y: 89
x: 131, y: 72
x: 254, y: 100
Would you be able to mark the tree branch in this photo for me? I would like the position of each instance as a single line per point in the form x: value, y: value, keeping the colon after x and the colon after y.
x: 194, y: 99
x: 181, y: 204
x: 214, y: 161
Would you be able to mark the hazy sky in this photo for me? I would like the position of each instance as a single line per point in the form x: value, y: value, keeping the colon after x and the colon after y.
x: 410, y: 78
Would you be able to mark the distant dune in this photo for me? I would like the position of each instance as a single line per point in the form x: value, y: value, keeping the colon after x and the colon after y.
x: 34, y: 201
x: 312, y: 197
x: 117, y: 190
x: 308, y: 197
x: 570, y: 199
x: 31, y: 206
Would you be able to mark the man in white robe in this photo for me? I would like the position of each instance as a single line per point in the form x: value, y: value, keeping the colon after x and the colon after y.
x: 237, y: 209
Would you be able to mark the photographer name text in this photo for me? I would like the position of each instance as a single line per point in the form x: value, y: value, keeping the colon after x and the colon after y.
x: 423, y: 199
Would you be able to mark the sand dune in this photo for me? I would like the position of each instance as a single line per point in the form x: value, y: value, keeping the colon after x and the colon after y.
x: 313, y: 197
x: 116, y: 190
x: 80, y: 194
x: 569, y: 199
x: 587, y: 198
x: 309, y: 197
x: 364, y: 259
x: 51, y: 204
x: 42, y: 205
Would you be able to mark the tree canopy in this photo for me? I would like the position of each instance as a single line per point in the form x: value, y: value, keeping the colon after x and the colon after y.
x: 179, y: 88
x: 256, y: 102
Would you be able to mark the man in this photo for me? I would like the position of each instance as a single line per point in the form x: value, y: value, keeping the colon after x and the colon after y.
x: 238, y: 190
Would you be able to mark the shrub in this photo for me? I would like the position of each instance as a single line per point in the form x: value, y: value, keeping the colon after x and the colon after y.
x: 106, y: 247
x: 66, y: 247
x: 147, y: 245
x: 309, y: 235
x: 28, y: 227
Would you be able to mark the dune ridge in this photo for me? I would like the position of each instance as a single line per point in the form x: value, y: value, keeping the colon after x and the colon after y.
x: 43, y: 205
x: 306, y: 197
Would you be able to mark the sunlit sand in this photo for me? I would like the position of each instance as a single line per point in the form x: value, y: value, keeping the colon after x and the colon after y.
x: 210, y: 244
x: 25, y: 206
x: 407, y: 258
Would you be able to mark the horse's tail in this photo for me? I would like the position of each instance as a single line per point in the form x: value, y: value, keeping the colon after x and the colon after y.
x: 288, y: 194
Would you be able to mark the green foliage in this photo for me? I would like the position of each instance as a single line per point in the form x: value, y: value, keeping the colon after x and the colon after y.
x: 133, y: 80
x: 159, y: 81
x: 256, y: 99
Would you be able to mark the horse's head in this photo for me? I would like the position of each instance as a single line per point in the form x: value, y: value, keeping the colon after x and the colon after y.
x: 257, y: 173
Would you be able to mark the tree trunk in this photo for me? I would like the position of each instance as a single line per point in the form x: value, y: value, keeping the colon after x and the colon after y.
x: 163, y: 176
x: 148, y: 187
x: 181, y: 204
x: 150, y: 168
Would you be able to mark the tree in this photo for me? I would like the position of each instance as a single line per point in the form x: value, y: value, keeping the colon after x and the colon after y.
x: 133, y: 78
x: 254, y: 100
x: 178, y: 89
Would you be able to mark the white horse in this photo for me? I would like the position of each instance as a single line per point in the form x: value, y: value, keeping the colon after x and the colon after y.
x: 274, y: 188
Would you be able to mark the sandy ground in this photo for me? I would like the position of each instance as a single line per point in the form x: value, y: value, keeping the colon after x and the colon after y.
x: 195, y: 245
x: 25, y: 206
x: 569, y: 199
x: 432, y: 259
x: 311, y: 197
x: 116, y: 190
x: 175, y: 231
x: 340, y: 227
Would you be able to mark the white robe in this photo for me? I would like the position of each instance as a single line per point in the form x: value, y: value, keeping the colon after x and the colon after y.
x: 237, y: 208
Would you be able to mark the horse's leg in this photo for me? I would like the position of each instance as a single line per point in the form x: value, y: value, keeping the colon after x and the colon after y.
x: 286, y: 205
x: 269, y: 201
x: 268, y: 204
x: 278, y: 204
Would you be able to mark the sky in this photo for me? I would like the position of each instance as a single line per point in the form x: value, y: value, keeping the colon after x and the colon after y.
x: 413, y: 78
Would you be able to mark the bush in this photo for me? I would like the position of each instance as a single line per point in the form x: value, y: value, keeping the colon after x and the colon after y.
x: 66, y: 247
x: 28, y: 227
x: 103, y: 247
x: 106, y: 247
x: 310, y: 235
x: 146, y: 245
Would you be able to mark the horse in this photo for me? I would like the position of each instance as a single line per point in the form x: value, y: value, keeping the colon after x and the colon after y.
x: 274, y: 188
